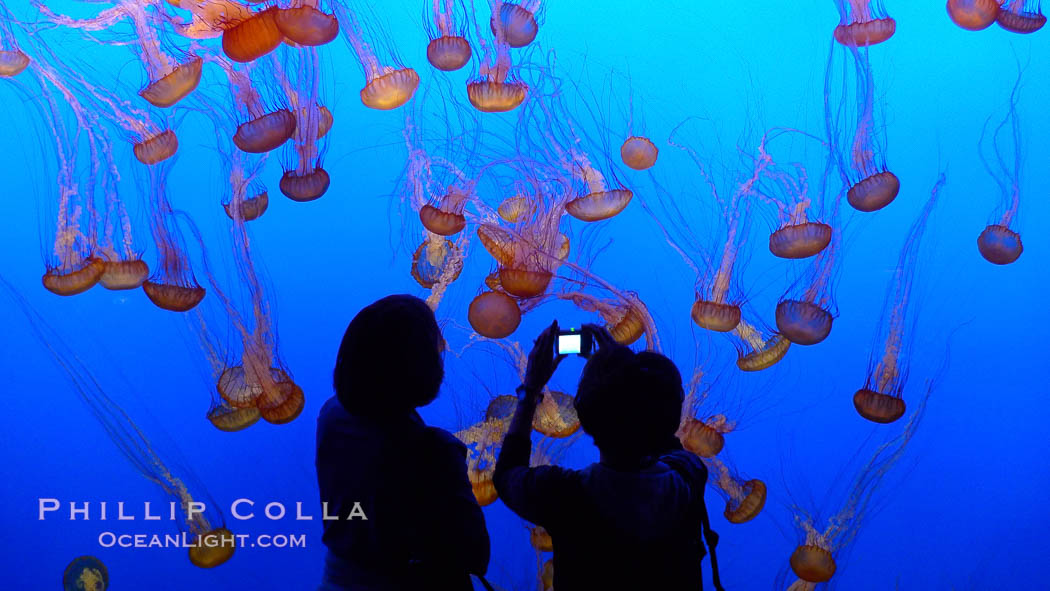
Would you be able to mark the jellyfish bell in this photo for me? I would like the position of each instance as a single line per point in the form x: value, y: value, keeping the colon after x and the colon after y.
x: 491, y: 96
x: 304, y: 187
x: 1000, y: 245
x: 973, y: 15
x: 628, y: 329
x: 230, y: 419
x: 556, y: 416
x: 212, y: 548
x: 874, y: 192
x: 541, y: 539
x: 306, y: 25
x: 77, y: 280
x: 638, y: 152
x: 517, y: 22
x: 524, y: 283
x: 878, y: 407
x: 12, y: 63
x: 750, y: 506
x: 700, y: 438
x: 1014, y: 17
x: 448, y: 53
x: 547, y: 575
x: 172, y: 296
x: 442, y: 223
x: 124, y: 274
x: 800, y: 241
x: 600, y: 205
x: 265, y: 132
x: 494, y: 315
x: 865, y: 33
x: 516, y: 209
x: 812, y: 563
x: 253, y: 37
x: 766, y: 356
x: 281, y: 402
x: 174, y: 86
x: 251, y: 208
x: 390, y: 90
x: 85, y: 573
x: 715, y: 316
x: 430, y: 260
x: 482, y: 486
x: 157, y: 147
x: 802, y: 322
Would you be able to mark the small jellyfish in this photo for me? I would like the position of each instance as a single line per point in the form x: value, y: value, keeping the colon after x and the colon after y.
x: 540, y: 539
x: 556, y: 415
x: 304, y: 178
x: 998, y: 243
x: 705, y: 438
x: 85, y: 573
x: 758, y: 348
x: 494, y: 90
x: 880, y: 400
x: 248, y: 36
x: 515, y: 20
x: 173, y: 285
x: 744, y: 499
x: 626, y: 317
x: 638, y: 152
x: 864, y: 23
x: 494, y: 314
x: 260, y: 128
x: 446, y: 217
x: 389, y: 84
x: 805, y: 313
x: 1021, y: 16
x: 973, y: 15
x: 305, y: 24
x: 13, y: 61
x: 448, y: 49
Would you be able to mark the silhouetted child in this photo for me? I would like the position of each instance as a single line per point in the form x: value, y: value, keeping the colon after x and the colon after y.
x: 424, y: 529
x: 634, y: 519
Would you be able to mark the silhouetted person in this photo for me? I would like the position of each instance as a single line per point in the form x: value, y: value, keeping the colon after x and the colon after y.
x: 424, y: 529
x: 634, y: 519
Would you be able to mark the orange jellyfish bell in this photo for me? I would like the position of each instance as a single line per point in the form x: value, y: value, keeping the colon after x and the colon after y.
x: 865, y: 33
x: 802, y: 322
x: 812, y: 563
x: 265, y: 132
x: 516, y: 209
x: 765, y: 356
x: 157, y: 148
x: 556, y: 416
x: 799, y: 241
x: 875, y: 192
x: 518, y: 23
x: 701, y: 439
x: 1014, y: 18
x: 306, y: 25
x: 440, y: 222
x: 283, y: 403
x: 304, y: 187
x: 878, y: 407
x: 973, y: 15
x: 173, y: 297
x: 230, y: 419
x: 541, y: 539
x: 251, y: 208
x: 120, y: 275
x: 524, y: 283
x: 390, y: 90
x: 1000, y: 245
x: 715, y: 316
x: 448, y: 52
x: 173, y: 87
x: 12, y: 63
x: 494, y: 315
x: 212, y: 548
x: 750, y: 506
x: 600, y: 205
x: 431, y: 260
x: 252, y: 38
x: 639, y: 152
x: 628, y: 329
x: 491, y: 96
x: 482, y: 486
x: 77, y: 280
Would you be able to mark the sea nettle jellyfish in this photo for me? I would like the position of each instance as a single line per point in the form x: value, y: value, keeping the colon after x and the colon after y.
x: 745, y: 498
x: 806, y: 311
x: 448, y: 49
x: 813, y: 559
x: 863, y: 23
x: 494, y: 90
x: 757, y: 346
x: 872, y: 186
x: 13, y: 61
x: 998, y: 243
x: 304, y: 178
x: 881, y: 399
x: 530, y: 254
x: 259, y: 128
x: 304, y: 23
x: 1021, y: 16
x: 973, y: 15
x: 626, y: 318
x: 170, y: 77
x: 173, y: 285
x: 516, y: 20
x: 388, y: 82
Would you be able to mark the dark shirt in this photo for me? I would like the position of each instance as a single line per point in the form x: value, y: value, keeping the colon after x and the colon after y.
x: 411, y: 481
x: 613, y: 528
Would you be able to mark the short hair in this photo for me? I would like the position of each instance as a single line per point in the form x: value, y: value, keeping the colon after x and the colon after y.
x: 630, y: 403
x: 390, y: 359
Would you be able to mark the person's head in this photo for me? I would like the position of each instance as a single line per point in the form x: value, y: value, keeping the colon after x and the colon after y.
x: 630, y: 403
x: 390, y: 359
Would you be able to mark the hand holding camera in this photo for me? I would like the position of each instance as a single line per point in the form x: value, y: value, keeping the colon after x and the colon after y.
x: 555, y: 344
